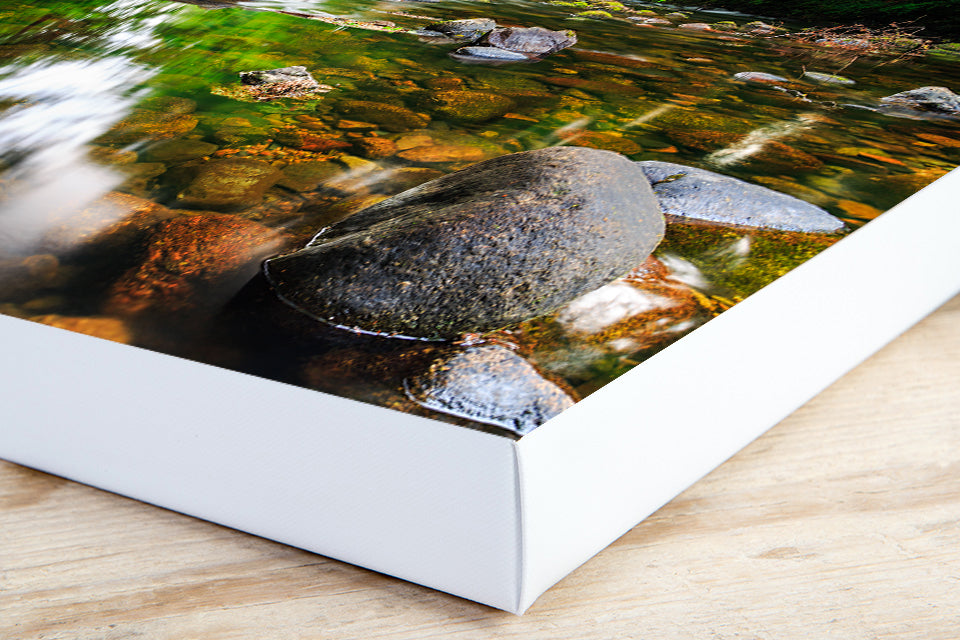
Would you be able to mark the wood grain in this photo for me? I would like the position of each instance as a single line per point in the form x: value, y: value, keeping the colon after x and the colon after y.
x: 841, y: 522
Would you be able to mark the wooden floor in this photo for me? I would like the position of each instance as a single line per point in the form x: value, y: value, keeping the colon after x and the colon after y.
x: 842, y: 522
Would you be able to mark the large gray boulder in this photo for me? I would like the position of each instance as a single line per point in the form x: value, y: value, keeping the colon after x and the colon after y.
x: 688, y: 192
x: 490, y: 246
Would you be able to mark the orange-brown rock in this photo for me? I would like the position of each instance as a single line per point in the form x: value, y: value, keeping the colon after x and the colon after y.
x: 110, y: 222
x: 438, y: 153
x: 112, y: 329
x: 192, y: 263
x: 374, y: 148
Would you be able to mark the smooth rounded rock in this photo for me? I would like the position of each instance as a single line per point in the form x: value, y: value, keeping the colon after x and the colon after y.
x: 177, y: 150
x: 232, y: 184
x: 487, y: 247
x: 490, y: 384
x: 930, y: 99
x: 688, y: 192
x: 436, y: 153
x: 390, y: 117
x: 758, y: 78
x: 535, y: 40
x: 487, y: 55
x: 828, y: 78
x: 467, y: 106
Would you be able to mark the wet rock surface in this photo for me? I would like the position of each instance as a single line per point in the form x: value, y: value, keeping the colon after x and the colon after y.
x: 191, y: 264
x: 468, y: 29
x: 272, y: 76
x: 490, y: 384
x: 467, y: 106
x: 228, y: 185
x: 828, y: 78
x: 939, y: 100
x: 178, y: 150
x: 489, y: 246
x: 145, y: 124
x: 688, y: 192
x: 487, y: 54
x: 533, y: 40
x: 309, y: 175
x: 759, y: 78
x: 442, y: 153
x: 391, y: 117
x: 112, y: 329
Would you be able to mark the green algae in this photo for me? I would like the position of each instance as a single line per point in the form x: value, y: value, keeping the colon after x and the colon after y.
x: 739, y: 262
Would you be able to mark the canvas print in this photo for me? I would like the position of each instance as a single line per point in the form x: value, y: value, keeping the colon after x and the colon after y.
x: 478, y: 212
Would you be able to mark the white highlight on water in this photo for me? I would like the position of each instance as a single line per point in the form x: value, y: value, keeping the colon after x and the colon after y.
x: 758, y: 139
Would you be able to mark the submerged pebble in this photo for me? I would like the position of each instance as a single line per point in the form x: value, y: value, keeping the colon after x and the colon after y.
x: 228, y: 185
x: 490, y: 384
x: 688, y: 192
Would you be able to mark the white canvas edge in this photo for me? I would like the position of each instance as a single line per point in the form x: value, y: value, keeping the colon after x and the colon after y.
x: 600, y: 467
x: 418, y: 499
x: 436, y: 504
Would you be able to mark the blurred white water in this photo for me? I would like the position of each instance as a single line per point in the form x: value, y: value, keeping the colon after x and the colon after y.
x: 58, y: 106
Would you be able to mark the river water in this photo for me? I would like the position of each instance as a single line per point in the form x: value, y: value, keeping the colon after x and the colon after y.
x: 89, y: 87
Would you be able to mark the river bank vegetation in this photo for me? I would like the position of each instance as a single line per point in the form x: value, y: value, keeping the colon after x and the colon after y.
x: 940, y: 18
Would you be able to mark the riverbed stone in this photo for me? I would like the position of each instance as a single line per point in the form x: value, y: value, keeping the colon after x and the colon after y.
x: 490, y: 384
x: 481, y: 54
x: 535, y: 40
x: 688, y: 192
x: 191, y: 263
x: 271, y: 76
x: 468, y: 30
x: 308, y: 140
x: 112, y: 329
x: 829, y: 78
x: 758, y: 77
x: 600, y: 330
x: 391, y: 117
x: 439, y: 153
x: 930, y: 99
x: 177, y: 150
x: 375, y: 148
x: 492, y: 245
x: 143, y: 124
x: 232, y: 184
x: 605, y: 140
x: 467, y: 106
x: 309, y: 175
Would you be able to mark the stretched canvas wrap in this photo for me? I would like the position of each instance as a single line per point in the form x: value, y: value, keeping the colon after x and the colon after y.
x: 475, y: 212
x: 490, y: 266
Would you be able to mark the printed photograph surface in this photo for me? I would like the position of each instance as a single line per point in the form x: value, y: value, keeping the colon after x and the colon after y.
x: 477, y: 212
